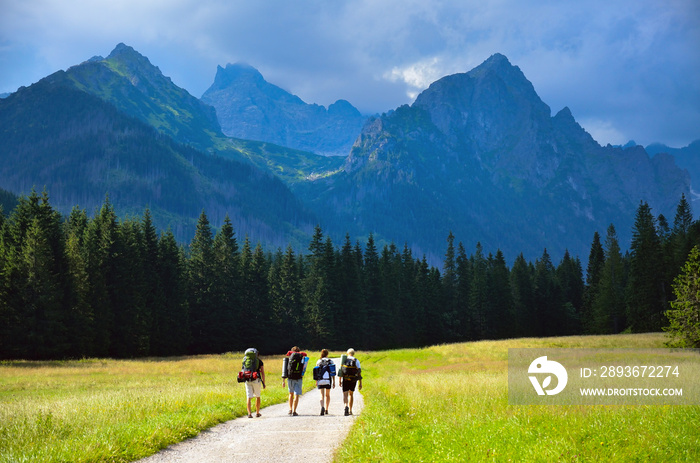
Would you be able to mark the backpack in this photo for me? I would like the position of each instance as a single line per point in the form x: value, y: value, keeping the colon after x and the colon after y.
x: 295, y: 370
x: 321, y: 370
x: 250, y: 367
x: 349, y: 370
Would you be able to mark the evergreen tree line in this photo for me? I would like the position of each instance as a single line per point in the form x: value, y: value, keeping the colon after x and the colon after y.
x: 103, y: 287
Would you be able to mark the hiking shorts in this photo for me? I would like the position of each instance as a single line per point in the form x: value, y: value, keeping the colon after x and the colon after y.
x: 253, y: 388
x: 349, y: 385
x: 294, y: 386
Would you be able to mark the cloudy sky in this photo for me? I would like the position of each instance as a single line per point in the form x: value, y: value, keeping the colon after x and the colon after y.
x: 627, y: 69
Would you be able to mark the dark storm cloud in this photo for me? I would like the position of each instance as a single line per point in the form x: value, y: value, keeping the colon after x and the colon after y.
x: 627, y: 69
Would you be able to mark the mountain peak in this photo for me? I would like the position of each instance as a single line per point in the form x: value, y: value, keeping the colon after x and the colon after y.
x: 497, y: 60
x: 236, y: 72
x: 122, y: 50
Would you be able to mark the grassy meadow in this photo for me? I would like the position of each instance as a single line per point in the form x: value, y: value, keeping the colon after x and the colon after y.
x: 450, y: 403
x: 441, y: 403
x: 119, y: 410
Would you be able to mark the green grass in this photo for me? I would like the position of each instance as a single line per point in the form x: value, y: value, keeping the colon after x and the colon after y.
x: 442, y: 403
x: 450, y: 403
x: 118, y: 410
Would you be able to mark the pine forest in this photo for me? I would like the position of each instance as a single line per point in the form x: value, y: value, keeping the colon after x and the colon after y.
x: 105, y: 286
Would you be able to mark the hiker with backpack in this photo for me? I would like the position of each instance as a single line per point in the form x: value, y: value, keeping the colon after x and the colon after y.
x: 350, y: 376
x: 253, y: 374
x: 324, y: 374
x: 294, y: 367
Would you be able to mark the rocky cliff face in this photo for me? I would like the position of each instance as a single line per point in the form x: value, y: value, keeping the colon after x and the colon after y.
x: 480, y: 154
x: 251, y: 108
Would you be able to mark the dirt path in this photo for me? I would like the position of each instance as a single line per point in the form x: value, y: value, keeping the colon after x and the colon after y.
x: 274, y: 437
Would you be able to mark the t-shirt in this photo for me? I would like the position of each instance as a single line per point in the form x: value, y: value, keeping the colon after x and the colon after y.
x: 326, y: 380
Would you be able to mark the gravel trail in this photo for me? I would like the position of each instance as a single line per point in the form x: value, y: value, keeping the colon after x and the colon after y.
x: 274, y: 437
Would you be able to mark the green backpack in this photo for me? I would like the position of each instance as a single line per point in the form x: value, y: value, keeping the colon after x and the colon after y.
x: 251, y: 364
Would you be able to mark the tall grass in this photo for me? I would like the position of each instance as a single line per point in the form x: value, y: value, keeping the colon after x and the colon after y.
x: 450, y: 403
x: 118, y: 410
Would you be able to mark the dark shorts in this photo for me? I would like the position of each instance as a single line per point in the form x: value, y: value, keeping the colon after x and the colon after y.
x: 349, y: 385
x: 327, y: 386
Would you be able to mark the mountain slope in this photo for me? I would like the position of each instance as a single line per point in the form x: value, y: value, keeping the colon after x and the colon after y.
x: 479, y: 154
x: 81, y: 148
x: 128, y: 80
x: 687, y: 158
x: 251, y: 108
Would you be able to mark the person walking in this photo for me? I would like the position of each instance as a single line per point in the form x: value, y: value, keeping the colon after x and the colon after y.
x: 326, y: 375
x: 350, y: 377
x: 255, y: 385
x: 294, y: 376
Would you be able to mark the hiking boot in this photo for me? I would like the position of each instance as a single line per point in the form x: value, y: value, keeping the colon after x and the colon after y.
x: 347, y: 411
x: 323, y: 411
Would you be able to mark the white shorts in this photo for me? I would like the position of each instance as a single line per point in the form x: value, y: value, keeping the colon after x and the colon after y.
x: 253, y: 388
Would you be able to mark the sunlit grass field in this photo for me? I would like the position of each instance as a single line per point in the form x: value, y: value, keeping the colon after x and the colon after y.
x: 119, y: 410
x: 450, y: 403
x: 442, y: 403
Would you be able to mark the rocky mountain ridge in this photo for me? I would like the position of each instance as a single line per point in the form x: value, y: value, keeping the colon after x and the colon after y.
x: 479, y: 153
x: 249, y: 107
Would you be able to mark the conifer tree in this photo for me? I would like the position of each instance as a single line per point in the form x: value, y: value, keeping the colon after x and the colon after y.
x: 523, y: 313
x: 350, y: 300
x: 549, y: 309
x: 478, y: 295
x: 609, y: 306
x: 226, y: 288
x: 368, y: 329
x: 596, y: 260
x: 570, y: 278
x: 201, y: 293
x: 451, y: 320
x: 464, y: 277
x: 645, y: 299
x: 501, y: 298
x: 286, y: 300
x: 80, y: 317
x: 132, y: 318
x: 100, y: 247
x: 173, y: 327
x: 684, y: 315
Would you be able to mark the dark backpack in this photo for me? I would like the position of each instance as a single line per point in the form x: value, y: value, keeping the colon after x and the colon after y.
x: 250, y: 366
x: 349, y: 370
x: 323, y: 368
x: 295, y: 369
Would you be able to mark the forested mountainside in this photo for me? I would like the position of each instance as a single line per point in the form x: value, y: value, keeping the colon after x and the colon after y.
x: 81, y: 148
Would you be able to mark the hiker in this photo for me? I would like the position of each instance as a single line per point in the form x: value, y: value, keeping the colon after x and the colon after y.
x: 325, y: 372
x: 294, y: 367
x: 253, y: 374
x: 350, y: 376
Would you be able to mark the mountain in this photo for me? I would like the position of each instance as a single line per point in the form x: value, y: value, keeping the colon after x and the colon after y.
x: 137, y: 88
x: 75, y: 134
x: 479, y: 154
x: 251, y: 108
x: 129, y: 81
x: 687, y: 158
x: 8, y: 201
